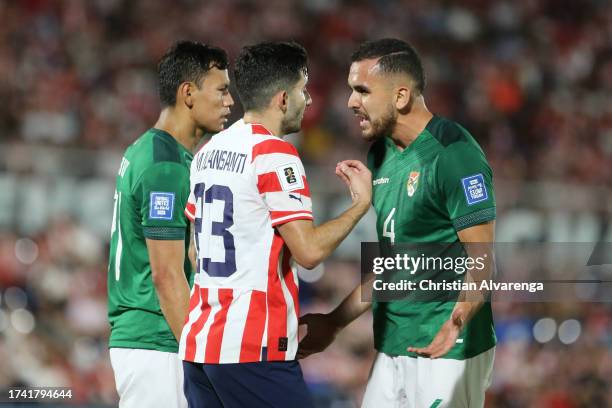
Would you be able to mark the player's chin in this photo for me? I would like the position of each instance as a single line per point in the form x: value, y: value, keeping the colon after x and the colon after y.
x: 368, y: 135
x: 293, y: 128
x: 219, y: 125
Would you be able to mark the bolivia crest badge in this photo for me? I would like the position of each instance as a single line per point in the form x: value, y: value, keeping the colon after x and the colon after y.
x: 413, y: 182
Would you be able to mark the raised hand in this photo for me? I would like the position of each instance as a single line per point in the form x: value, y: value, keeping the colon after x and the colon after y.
x: 358, y: 178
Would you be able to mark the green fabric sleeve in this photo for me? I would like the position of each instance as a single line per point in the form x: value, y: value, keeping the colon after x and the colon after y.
x: 163, y: 190
x: 466, y: 183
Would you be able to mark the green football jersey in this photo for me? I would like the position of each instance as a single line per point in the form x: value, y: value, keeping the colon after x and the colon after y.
x: 150, y: 198
x: 441, y: 183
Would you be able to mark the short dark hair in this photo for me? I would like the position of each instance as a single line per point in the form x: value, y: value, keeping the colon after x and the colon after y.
x: 395, y: 56
x: 263, y: 69
x: 186, y: 61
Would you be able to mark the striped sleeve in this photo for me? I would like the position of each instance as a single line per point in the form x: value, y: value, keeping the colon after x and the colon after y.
x: 190, y: 208
x: 281, y: 181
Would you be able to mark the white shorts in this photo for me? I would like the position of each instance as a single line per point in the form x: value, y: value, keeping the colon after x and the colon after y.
x: 421, y: 382
x: 148, y: 378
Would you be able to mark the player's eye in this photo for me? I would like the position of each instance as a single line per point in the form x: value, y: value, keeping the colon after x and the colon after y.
x: 361, y: 90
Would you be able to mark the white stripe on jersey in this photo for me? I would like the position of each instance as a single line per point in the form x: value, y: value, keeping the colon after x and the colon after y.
x: 292, y: 322
x: 296, y: 215
x: 234, y: 327
x: 283, y: 199
x: 191, y: 318
x: 201, y: 339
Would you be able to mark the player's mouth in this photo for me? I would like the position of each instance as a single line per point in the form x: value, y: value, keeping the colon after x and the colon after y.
x: 363, y: 119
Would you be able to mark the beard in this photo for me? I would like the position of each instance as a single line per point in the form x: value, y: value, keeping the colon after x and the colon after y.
x: 292, y: 123
x: 382, y: 126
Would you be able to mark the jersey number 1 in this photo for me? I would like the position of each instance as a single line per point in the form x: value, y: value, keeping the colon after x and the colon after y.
x: 219, y: 229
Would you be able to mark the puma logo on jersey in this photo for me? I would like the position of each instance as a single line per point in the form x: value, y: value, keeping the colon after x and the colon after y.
x: 295, y: 197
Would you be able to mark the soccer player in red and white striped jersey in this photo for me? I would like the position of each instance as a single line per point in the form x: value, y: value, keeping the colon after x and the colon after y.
x: 251, y: 206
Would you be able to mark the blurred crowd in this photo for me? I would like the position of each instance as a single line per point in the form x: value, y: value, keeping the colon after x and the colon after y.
x: 531, y: 79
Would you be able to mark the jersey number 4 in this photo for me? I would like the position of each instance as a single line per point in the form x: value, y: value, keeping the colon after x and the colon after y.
x: 217, y: 228
x: 389, y: 227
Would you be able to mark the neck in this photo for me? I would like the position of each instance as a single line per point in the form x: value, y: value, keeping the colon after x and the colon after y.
x: 180, y: 127
x: 410, y: 125
x: 266, y: 119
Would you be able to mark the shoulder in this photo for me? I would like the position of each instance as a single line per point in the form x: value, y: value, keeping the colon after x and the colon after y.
x: 455, y: 141
x: 266, y: 145
x: 447, y: 132
x: 164, y: 148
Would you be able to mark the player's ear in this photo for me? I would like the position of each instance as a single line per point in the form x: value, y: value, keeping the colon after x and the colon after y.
x: 280, y: 100
x: 403, y: 98
x: 184, y: 94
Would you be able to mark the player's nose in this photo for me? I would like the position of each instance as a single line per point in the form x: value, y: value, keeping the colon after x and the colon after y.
x: 353, y: 101
x: 228, y: 100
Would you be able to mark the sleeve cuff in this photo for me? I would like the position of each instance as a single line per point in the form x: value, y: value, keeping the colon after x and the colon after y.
x: 164, y: 233
x: 475, y: 218
x: 293, y: 217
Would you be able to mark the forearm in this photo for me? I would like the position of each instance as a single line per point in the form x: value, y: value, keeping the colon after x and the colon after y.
x: 173, y: 294
x: 478, y: 244
x: 326, y: 237
x: 351, y: 307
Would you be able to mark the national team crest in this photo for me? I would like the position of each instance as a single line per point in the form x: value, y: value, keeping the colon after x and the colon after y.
x: 413, y: 182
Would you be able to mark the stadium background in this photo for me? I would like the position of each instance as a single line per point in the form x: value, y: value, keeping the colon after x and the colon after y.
x: 532, y: 80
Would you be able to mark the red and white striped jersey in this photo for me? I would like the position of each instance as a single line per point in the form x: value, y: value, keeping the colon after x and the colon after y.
x: 244, y: 302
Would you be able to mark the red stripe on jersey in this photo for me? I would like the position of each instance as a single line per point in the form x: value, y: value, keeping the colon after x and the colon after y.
x: 273, y: 146
x: 277, y: 307
x: 196, y: 327
x: 250, y: 350
x: 269, y: 183
x: 215, y: 334
x: 290, y: 281
x: 258, y: 129
x: 190, y: 211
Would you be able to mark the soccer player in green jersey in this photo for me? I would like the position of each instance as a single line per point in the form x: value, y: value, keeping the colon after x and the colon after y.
x: 149, y: 271
x: 432, y: 184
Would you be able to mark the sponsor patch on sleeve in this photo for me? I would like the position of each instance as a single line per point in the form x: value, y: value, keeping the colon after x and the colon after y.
x: 475, y: 189
x: 290, y: 177
x: 161, y: 206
